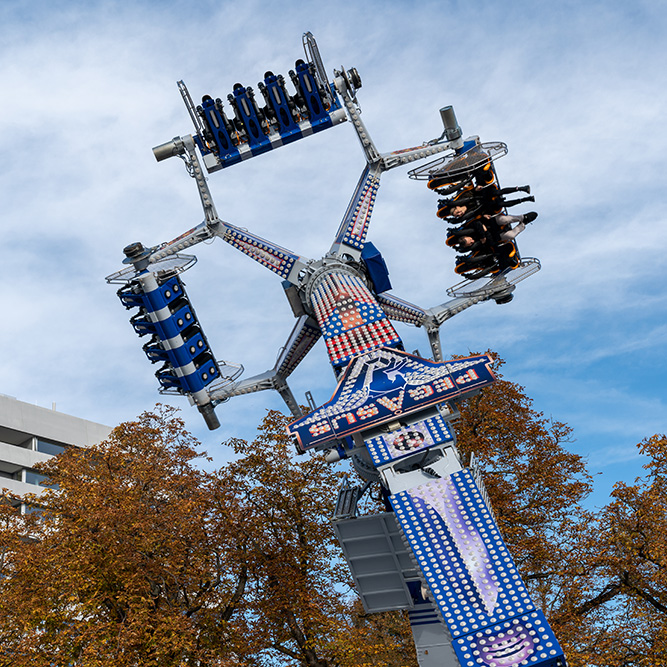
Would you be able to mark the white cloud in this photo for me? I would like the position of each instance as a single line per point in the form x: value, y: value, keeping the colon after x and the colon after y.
x: 573, y: 90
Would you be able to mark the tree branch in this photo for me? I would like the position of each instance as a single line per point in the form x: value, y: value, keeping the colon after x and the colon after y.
x: 610, y: 592
x: 237, y: 595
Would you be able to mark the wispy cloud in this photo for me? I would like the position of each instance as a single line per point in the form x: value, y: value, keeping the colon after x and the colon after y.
x: 573, y: 89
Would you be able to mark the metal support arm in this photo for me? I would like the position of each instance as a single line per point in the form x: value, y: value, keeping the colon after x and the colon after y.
x: 301, y: 340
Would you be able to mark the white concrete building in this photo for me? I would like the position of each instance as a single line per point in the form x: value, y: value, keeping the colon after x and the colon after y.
x: 30, y: 434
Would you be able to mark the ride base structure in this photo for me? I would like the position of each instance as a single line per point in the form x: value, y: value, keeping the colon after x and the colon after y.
x: 437, y: 551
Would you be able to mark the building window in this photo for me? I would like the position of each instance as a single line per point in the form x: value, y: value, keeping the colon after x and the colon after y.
x: 49, y: 447
x: 32, y: 509
x: 33, y: 477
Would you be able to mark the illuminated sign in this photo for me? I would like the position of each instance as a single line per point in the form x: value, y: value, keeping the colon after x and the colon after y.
x: 385, y: 384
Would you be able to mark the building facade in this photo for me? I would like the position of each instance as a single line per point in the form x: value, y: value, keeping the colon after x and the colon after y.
x: 30, y: 434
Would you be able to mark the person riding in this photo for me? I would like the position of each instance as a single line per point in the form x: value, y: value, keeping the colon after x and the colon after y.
x: 489, y: 201
x: 470, y: 237
x: 480, y: 232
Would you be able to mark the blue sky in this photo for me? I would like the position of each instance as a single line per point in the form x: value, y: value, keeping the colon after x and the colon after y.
x: 574, y: 89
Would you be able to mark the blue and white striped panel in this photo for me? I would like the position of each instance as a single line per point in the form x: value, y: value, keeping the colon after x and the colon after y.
x: 169, y: 326
x: 463, y: 558
x: 410, y: 439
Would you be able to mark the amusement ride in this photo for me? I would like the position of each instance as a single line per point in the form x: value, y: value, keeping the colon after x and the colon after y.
x: 437, y: 551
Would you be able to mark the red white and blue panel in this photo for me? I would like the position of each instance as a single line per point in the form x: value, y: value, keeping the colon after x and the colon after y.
x: 351, y: 321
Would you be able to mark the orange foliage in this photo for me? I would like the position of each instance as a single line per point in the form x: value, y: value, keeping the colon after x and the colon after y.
x: 131, y: 565
x: 141, y: 558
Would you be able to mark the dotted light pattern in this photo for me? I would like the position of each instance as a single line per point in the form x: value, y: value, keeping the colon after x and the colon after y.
x: 299, y: 348
x: 350, y: 319
x: 271, y: 256
x: 355, y: 224
x: 465, y: 562
x: 407, y: 440
x: 400, y: 310
x: 523, y: 640
x: 378, y: 387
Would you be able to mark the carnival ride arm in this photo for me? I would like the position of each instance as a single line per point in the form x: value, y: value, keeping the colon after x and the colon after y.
x: 402, y: 311
x: 351, y: 234
x: 305, y: 334
x: 281, y: 261
x: 399, y: 310
x: 431, y: 319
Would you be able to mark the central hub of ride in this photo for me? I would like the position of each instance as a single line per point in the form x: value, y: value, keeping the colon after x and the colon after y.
x: 348, y: 314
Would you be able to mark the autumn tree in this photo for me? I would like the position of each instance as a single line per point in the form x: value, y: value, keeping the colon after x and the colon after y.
x: 291, y: 604
x: 130, y: 563
x: 619, y: 591
x: 299, y: 603
x: 140, y: 557
x: 375, y: 640
x: 15, y: 533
